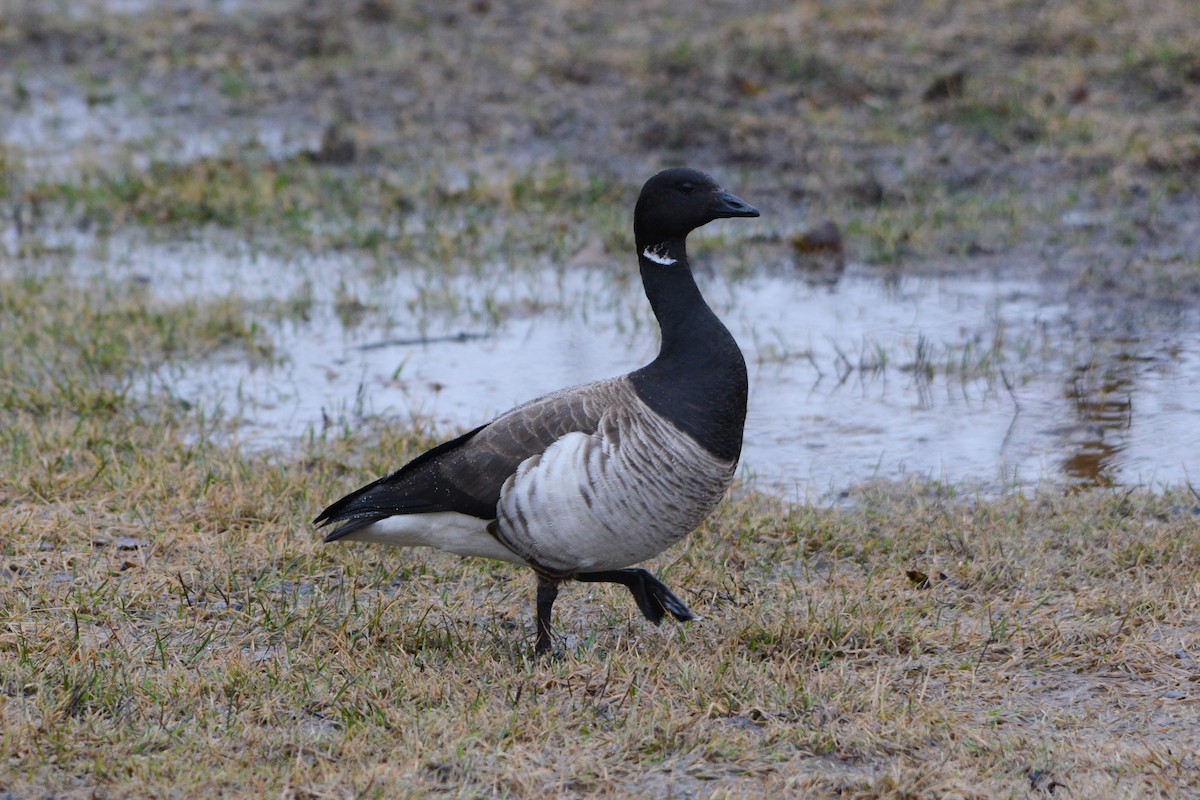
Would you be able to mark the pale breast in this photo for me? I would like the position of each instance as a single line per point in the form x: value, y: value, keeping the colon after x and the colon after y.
x: 613, y: 498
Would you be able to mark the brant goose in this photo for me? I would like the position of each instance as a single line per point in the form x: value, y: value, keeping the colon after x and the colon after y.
x: 585, y: 482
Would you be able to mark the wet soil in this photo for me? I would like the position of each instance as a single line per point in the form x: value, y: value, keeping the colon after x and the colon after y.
x: 850, y: 103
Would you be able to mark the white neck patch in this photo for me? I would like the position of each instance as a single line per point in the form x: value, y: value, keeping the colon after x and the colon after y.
x: 655, y: 253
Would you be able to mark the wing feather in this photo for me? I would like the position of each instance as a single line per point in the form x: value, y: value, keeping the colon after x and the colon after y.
x: 466, y: 474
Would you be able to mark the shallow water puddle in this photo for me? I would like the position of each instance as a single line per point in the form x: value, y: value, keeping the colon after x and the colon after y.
x: 991, y: 383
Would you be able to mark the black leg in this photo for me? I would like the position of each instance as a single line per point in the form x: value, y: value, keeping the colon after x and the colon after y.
x: 547, y: 591
x: 652, y: 596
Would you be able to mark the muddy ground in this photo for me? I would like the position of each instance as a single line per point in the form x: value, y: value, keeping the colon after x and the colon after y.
x: 880, y: 116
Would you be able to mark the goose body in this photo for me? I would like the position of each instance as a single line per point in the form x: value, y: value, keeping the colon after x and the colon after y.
x: 585, y: 482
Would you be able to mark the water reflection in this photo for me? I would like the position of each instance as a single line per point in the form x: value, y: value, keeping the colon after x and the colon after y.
x: 1101, y: 396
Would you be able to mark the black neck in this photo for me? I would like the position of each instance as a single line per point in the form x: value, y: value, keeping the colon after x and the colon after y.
x: 698, y: 380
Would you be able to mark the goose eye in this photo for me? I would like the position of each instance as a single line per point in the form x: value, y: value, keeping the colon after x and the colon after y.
x: 687, y: 188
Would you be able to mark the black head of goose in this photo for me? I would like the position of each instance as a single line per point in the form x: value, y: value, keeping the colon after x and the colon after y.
x: 584, y: 483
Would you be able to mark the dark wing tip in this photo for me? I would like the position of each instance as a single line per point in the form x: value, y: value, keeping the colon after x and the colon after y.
x: 333, y: 536
x: 351, y: 526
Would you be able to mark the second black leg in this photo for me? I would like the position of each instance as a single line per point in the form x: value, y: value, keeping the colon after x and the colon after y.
x: 652, y: 596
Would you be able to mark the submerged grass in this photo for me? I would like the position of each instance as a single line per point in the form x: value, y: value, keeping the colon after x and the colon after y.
x: 78, y: 347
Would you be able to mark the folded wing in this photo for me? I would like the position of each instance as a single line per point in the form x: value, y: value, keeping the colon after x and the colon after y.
x: 466, y: 475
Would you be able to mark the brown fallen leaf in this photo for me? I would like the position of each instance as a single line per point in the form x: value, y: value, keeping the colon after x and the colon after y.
x: 922, y: 581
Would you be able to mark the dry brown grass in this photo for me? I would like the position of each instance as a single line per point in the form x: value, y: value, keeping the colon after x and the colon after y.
x: 175, y: 628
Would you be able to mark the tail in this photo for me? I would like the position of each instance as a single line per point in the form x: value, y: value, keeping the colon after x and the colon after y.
x: 368, y: 505
x: 405, y: 491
